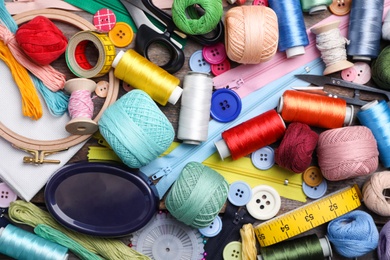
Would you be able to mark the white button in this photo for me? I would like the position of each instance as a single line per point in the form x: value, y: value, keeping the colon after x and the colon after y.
x: 6, y: 195
x: 265, y: 202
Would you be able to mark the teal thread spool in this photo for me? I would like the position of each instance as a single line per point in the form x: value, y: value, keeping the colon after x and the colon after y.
x: 380, y: 69
x: 315, y: 6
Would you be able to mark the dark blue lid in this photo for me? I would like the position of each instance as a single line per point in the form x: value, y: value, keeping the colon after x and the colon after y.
x: 100, y: 199
x: 225, y: 105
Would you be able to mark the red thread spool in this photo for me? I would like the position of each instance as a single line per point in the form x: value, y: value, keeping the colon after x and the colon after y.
x: 251, y: 135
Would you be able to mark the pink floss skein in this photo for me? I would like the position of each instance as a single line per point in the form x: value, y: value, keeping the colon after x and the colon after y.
x: 347, y: 152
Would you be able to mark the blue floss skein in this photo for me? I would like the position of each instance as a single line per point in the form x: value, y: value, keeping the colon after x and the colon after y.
x: 292, y: 29
x: 136, y: 129
x: 353, y: 234
x: 365, y: 29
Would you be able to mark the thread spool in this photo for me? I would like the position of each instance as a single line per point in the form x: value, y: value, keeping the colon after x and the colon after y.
x: 307, y: 247
x: 251, y: 34
x: 386, y: 27
x: 332, y: 47
x: 374, y: 193
x: 376, y: 116
x: 365, y: 29
x: 20, y: 244
x: 140, y: 73
x: 292, y: 31
x: 197, y: 196
x: 347, y: 152
x: 316, y: 6
x: 379, y: 69
x: 195, y: 108
x: 80, y: 106
x: 314, y: 110
x: 251, y: 135
x: 384, y: 242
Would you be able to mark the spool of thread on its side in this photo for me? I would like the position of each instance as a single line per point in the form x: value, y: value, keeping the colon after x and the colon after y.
x: 374, y: 193
x: 315, y: 6
x: 140, y: 73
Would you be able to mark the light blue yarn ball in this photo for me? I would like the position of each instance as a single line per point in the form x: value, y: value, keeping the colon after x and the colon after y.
x: 136, y: 129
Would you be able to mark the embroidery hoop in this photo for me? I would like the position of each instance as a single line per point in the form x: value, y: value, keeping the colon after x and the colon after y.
x: 42, y: 148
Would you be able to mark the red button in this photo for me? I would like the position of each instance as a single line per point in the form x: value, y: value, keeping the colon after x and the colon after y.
x: 220, y: 68
x: 260, y: 2
x: 214, y: 54
x: 104, y: 20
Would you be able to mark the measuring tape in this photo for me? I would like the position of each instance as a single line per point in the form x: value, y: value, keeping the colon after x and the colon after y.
x: 308, y: 216
x: 76, y: 56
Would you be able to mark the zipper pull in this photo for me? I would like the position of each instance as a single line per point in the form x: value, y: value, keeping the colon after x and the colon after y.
x: 234, y: 84
x: 239, y: 216
x: 162, y: 172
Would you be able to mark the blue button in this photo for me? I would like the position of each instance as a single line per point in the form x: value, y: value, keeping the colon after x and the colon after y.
x: 264, y: 158
x: 198, y: 63
x: 240, y: 193
x: 225, y: 105
x: 213, y: 229
x: 315, y: 192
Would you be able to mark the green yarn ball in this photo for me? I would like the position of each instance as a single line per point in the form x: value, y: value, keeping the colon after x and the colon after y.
x: 380, y: 71
x: 197, y: 196
x: 136, y: 129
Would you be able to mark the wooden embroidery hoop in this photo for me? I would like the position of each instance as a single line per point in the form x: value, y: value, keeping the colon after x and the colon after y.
x: 41, y: 148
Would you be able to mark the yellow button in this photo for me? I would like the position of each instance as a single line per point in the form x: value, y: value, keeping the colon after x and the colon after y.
x: 340, y: 7
x: 121, y: 35
x: 312, y: 176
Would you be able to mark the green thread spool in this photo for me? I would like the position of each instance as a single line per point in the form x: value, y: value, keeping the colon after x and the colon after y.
x: 197, y: 196
x: 303, y: 248
x: 380, y: 69
x: 196, y: 23
x: 315, y: 6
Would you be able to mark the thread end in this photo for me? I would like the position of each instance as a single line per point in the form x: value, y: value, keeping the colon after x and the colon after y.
x: 175, y: 95
x: 222, y: 148
x: 118, y: 57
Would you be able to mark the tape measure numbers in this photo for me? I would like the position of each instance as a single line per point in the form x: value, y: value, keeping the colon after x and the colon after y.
x: 308, y: 216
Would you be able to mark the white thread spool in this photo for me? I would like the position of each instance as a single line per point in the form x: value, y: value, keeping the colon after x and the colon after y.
x: 332, y: 47
x: 80, y: 125
x: 195, y: 108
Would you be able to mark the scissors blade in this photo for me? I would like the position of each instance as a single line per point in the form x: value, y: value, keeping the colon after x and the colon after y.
x: 138, y: 14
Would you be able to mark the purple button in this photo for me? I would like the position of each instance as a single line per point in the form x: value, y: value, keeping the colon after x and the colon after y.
x: 220, y: 68
x: 214, y: 54
x: 6, y: 195
x: 225, y: 105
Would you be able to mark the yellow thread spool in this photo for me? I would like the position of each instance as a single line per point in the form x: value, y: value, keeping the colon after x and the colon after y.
x: 142, y: 74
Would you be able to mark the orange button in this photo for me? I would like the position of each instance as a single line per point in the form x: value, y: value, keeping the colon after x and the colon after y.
x: 121, y: 35
x: 102, y: 88
x: 340, y: 7
x: 312, y: 176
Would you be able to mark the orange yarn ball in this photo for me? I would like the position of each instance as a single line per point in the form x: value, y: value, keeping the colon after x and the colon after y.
x: 251, y: 34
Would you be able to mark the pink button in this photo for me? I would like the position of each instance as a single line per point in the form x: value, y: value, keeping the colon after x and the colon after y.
x: 348, y: 74
x: 6, y: 195
x: 104, y: 20
x: 214, y: 54
x: 220, y: 68
x: 260, y: 2
x: 363, y: 72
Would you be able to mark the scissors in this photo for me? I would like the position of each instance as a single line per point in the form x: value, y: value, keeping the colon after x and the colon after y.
x: 325, y: 80
x: 148, y: 33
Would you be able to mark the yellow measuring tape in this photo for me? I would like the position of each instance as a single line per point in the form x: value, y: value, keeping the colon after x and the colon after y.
x: 308, y: 216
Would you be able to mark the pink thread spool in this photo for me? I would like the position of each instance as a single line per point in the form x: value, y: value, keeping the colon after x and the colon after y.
x: 80, y: 106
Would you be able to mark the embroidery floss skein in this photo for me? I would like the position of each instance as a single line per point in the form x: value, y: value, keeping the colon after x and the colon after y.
x: 197, y: 196
x: 347, y: 152
x: 249, y: 250
x: 140, y: 73
x: 251, y: 135
x: 373, y: 193
x: 315, y: 6
x: 384, y: 242
x: 195, y: 108
x: 251, y: 34
x: 314, y: 110
x: 292, y: 31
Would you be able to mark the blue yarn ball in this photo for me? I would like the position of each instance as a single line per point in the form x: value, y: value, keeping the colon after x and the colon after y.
x: 136, y: 129
x: 353, y: 234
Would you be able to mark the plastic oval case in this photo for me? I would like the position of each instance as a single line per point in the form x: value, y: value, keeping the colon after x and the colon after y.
x: 101, y: 199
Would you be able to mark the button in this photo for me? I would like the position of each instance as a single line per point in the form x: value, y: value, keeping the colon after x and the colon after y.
x: 102, y: 88
x: 198, y: 63
x: 363, y: 72
x: 104, y: 20
x: 225, y: 105
x: 121, y: 35
x: 340, y: 7
x: 214, y: 54
x: 265, y: 202
x: 264, y: 158
x: 315, y: 192
x: 126, y: 87
x: 220, y: 68
x: 312, y: 176
x: 348, y: 74
x: 6, y: 195
x: 240, y: 193
x: 232, y: 251
x: 260, y: 2
x: 213, y: 229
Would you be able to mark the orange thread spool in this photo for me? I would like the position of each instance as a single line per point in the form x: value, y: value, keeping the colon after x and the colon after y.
x: 314, y: 110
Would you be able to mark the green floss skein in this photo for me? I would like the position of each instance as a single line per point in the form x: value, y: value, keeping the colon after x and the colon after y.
x: 196, y: 23
x: 380, y: 72
x: 315, y: 6
x: 197, y: 196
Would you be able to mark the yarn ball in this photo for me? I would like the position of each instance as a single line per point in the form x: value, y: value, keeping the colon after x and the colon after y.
x: 41, y: 40
x: 373, y: 196
x: 136, y: 129
x: 251, y: 34
x: 353, y: 234
x: 379, y: 69
x: 197, y: 196
x: 296, y: 148
x: 384, y: 242
x: 347, y: 152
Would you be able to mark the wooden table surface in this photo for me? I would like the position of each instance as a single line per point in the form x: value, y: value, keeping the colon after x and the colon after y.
x: 172, y: 112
